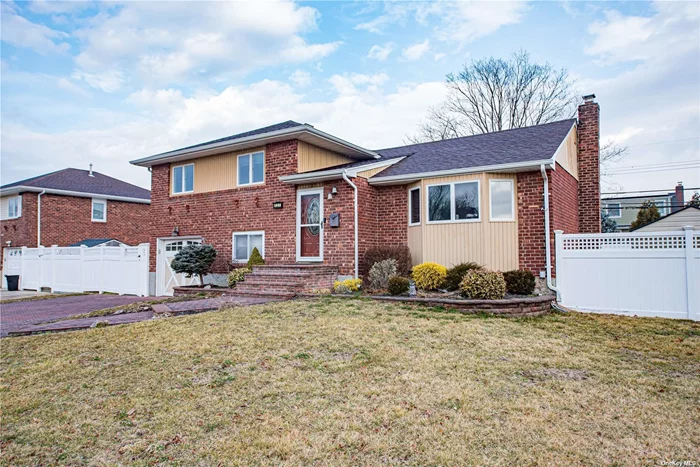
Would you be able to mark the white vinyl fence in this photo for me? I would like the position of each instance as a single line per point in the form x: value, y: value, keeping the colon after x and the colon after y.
x: 644, y: 274
x: 115, y: 269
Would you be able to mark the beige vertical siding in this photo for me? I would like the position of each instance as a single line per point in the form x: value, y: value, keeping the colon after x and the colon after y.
x: 215, y: 173
x: 371, y: 172
x: 314, y: 158
x: 415, y: 233
x: 567, y: 154
x: 491, y: 244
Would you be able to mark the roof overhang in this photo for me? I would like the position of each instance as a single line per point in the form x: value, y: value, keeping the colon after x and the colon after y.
x: 499, y: 168
x: 305, y: 133
x: 334, y: 174
x: 14, y: 190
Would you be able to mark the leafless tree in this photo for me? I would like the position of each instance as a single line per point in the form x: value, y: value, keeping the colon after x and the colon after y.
x: 610, y: 154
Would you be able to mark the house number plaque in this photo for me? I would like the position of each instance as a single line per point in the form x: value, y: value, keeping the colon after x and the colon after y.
x: 277, y: 205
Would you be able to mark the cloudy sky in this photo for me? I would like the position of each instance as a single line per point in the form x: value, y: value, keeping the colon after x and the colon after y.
x: 108, y: 83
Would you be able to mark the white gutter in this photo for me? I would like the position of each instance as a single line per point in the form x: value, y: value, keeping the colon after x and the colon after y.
x: 548, y: 247
x: 38, y: 218
x: 78, y: 194
x: 354, y: 187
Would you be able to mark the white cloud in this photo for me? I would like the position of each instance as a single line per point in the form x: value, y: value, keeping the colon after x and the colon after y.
x: 439, y: 56
x: 108, y: 81
x: 21, y: 32
x: 300, y: 78
x: 67, y: 85
x: 416, y: 51
x: 53, y: 7
x: 381, y: 52
x: 348, y: 84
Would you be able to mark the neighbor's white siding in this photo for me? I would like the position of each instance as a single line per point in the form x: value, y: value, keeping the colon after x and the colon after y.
x: 677, y: 221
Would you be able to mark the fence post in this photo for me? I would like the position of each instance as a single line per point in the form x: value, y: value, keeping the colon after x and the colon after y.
x: 82, y: 268
x: 21, y: 268
x: 690, y: 281
x: 40, y: 254
x: 144, y: 257
x: 558, y: 248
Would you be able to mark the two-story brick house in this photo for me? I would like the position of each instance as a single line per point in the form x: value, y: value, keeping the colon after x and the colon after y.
x: 303, y: 196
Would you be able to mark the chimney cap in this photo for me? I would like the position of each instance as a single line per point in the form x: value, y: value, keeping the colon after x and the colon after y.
x: 680, y: 183
x: 588, y: 97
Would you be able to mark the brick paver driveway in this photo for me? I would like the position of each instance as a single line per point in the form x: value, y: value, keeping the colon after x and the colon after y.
x: 17, y: 315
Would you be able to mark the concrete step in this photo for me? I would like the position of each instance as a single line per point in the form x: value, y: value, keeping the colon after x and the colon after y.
x: 295, y: 270
x: 245, y: 287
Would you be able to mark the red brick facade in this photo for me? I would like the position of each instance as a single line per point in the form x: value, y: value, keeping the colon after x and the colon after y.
x: 589, y: 167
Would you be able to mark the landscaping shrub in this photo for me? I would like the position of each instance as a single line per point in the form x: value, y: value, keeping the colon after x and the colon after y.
x: 483, y: 285
x: 237, y: 275
x: 402, y: 255
x: 347, y: 286
x: 194, y: 260
x: 398, y: 285
x: 456, y: 273
x: 429, y: 276
x: 519, y: 282
x: 380, y: 273
x: 255, y: 259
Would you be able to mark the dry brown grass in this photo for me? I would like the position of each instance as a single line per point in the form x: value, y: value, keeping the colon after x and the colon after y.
x: 355, y: 382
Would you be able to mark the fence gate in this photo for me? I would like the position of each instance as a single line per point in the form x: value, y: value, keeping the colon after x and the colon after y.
x: 644, y: 274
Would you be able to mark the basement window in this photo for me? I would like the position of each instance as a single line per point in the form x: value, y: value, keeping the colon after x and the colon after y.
x: 244, y: 242
x: 99, y: 210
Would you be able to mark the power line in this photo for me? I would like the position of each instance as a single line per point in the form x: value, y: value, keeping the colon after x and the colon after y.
x: 663, y: 164
x: 652, y: 170
x: 664, y: 142
x: 646, y: 191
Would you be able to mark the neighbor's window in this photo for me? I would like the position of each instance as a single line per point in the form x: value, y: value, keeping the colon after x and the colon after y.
x: 502, y: 199
x: 99, y: 210
x: 183, y: 179
x: 453, y: 202
x: 661, y: 205
x: 414, y: 206
x: 14, y: 207
x: 251, y: 168
x: 244, y: 242
x: 614, y: 210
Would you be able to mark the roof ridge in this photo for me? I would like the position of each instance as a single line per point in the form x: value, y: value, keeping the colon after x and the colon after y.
x: 35, y: 178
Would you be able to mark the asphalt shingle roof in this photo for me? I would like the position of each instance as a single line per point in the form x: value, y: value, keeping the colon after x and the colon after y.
x: 79, y: 180
x: 91, y: 242
x: 504, y: 147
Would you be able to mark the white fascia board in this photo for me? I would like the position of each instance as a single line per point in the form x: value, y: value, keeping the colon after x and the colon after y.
x: 332, y: 174
x: 79, y: 194
x: 408, y: 178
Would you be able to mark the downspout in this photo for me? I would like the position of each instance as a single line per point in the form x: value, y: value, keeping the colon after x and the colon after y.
x: 354, y: 187
x: 548, y: 247
x: 38, y: 218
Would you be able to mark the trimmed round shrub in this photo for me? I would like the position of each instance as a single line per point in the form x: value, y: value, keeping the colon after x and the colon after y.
x: 398, y: 285
x: 483, y: 285
x: 429, y: 276
x: 347, y: 286
x: 255, y: 259
x: 456, y: 273
x: 402, y: 255
x: 520, y: 282
x: 237, y: 275
x: 380, y: 273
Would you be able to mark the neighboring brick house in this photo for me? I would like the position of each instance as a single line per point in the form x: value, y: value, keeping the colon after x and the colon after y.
x: 72, y: 206
x: 291, y: 190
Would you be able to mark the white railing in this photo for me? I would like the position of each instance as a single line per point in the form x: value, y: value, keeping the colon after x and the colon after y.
x: 644, y: 274
x: 115, y: 269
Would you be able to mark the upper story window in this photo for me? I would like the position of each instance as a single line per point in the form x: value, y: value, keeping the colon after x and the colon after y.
x: 183, y: 179
x: 251, y: 168
x: 99, y: 210
x: 454, y: 202
x: 614, y: 210
x: 14, y: 207
x: 502, y: 200
x: 414, y: 206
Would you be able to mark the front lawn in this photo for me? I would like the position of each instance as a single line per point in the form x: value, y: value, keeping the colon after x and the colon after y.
x: 355, y: 382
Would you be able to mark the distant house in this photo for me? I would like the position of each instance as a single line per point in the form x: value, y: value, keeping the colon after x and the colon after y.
x: 623, y: 209
x: 688, y: 216
x: 93, y: 242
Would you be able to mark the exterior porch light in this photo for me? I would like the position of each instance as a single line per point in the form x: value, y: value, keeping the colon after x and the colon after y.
x: 176, y: 231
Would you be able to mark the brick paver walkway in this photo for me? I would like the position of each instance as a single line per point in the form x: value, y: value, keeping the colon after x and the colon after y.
x: 20, y: 314
x: 83, y: 323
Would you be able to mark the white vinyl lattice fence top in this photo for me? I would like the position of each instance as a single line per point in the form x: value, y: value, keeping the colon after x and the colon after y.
x: 628, y: 242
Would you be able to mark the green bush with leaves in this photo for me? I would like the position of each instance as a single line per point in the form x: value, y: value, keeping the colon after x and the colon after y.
x: 429, y: 276
x: 398, y: 285
x: 520, y: 282
x: 402, y: 255
x: 237, y: 275
x: 347, y: 286
x: 255, y: 259
x: 647, y: 214
x: 483, y: 285
x: 456, y: 273
x: 380, y: 273
x: 194, y: 260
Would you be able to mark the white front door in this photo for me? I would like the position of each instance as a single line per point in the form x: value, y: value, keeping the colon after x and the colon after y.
x: 166, y: 278
x: 310, y: 224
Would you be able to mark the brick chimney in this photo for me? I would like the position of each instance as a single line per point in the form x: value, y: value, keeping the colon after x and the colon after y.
x: 589, y: 165
x: 680, y: 199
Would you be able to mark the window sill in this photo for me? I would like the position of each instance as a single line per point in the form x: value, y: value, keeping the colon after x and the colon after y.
x: 461, y: 221
x: 246, y: 185
x: 97, y: 221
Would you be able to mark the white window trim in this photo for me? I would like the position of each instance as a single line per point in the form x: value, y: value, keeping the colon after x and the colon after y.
x: 172, y: 180
x: 233, y: 245
x: 410, y: 207
x: 512, y: 200
x: 452, y: 202
x: 250, y: 168
x: 619, y: 210
x: 19, y: 208
x: 92, y: 209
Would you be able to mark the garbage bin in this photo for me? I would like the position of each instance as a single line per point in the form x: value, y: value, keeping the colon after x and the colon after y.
x: 12, y: 283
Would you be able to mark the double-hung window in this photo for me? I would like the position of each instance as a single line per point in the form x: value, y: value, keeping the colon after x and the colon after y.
x: 251, y: 168
x: 614, y: 210
x: 414, y: 206
x: 244, y: 242
x: 14, y: 207
x: 502, y: 200
x: 99, y: 210
x: 454, y: 202
x: 183, y: 179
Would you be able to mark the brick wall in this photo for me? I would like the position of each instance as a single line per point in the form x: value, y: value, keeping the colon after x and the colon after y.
x: 589, y: 167
x: 22, y: 231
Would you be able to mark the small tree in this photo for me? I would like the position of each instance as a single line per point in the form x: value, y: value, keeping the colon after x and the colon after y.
x: 695, y: 200
x: 607, y: 225
x: 194, y: 260
x: 646, y: 215
x: 256, y: 258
